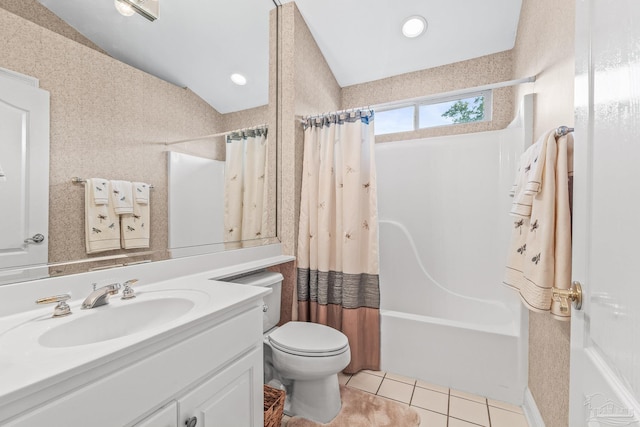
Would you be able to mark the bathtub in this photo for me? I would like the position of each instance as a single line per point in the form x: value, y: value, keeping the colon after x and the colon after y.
x: 446, y: 318
x: 441, y: 337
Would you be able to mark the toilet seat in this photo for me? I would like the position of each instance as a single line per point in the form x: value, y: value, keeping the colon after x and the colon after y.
x: 309, y: 340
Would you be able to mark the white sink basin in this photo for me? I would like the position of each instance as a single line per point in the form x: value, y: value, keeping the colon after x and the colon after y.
x: 110, y: 321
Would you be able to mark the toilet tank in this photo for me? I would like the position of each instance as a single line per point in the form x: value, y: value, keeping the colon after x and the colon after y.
x: 271, y: 307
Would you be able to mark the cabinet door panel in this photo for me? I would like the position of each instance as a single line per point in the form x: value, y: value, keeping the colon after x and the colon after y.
x: 232, y: 398
x: 164, y: 417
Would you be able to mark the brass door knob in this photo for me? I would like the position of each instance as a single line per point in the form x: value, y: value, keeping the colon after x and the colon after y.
x: 573, y: 294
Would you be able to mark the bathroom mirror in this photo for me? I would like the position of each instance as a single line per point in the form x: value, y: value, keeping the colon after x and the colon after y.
x: 116, y: 111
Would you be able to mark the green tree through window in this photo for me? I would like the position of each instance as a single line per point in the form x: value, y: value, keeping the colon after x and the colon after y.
x: 464, y: 111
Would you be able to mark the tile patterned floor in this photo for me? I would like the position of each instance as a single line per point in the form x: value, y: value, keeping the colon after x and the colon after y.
x: 437, y: 406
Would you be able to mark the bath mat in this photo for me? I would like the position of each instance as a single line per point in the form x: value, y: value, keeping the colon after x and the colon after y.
x: 361, y: 409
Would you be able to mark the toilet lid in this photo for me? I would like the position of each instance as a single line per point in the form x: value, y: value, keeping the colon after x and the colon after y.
x: 309, y: 339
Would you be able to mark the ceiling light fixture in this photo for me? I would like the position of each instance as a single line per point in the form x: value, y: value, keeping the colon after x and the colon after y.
x: 414, y: 26
x: 125, y: 9
x: 239, y: 79
x: 147, y: 9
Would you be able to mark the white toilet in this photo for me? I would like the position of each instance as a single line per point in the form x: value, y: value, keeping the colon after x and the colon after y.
x: 305, y: 357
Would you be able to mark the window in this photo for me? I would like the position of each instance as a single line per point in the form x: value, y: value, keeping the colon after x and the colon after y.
x: 396, y: 120
x: 422, y: 114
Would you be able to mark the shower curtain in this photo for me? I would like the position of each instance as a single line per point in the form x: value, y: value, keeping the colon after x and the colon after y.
x: 338, y: 282
x: 244, y: 189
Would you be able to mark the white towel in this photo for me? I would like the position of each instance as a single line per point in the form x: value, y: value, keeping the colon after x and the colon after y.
x: 136, y: 227
x: 534, y: 177
x: 521, y: 205
x: 122, y: 197
x: 540, y: 252
x: 3, y: 177
x: 529, y: 176
x: 100, y: 190
x: 141, y: 193
x: 102, y: 224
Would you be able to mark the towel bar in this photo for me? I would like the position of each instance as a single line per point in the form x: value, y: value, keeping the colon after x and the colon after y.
x: 563, y: 130
x: 78, y: 180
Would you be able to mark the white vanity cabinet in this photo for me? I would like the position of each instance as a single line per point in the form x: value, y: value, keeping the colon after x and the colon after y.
x: 211, y: 370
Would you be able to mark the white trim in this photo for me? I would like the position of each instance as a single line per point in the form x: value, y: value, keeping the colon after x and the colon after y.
x: 524, y: 119
x: 19, y: 77
x: 531, y: 412
x: 453, y: 93
x: 431, y: 99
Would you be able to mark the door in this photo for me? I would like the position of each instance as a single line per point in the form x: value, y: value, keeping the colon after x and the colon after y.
x: 24, y: 185
x: 605, y: 335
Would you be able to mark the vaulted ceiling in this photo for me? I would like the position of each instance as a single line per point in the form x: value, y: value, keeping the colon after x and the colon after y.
x: 200, y: 43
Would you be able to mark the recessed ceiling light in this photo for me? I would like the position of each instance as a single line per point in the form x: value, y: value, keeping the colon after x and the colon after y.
x: 124, y: 8
x: 413, y: 26
x: 239, y: 79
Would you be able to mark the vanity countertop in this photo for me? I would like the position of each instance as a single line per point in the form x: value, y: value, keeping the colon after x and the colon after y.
x: 27, y: 366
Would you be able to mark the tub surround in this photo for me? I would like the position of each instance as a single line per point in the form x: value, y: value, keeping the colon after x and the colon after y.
x: 460, y: 318
x: 34, y: 374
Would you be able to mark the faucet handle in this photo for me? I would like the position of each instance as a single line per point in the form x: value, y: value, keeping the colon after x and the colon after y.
x: 128, y: 292
x: 62, y: 309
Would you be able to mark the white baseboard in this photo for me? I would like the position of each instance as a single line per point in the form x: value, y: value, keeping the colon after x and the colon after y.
x: 531, y: 412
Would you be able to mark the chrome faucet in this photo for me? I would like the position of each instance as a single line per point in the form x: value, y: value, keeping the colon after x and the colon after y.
x: 100, y: 296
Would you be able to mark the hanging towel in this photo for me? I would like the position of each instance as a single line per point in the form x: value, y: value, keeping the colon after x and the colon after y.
x: 122, y: 197
x: 136, y: 226
x: 3, y: 177
x: 564, y: 190
x: 521, y: 205
x: 539, y: 255
x: 529, y: 176
x: 100, y: 190
x: 534, y: 178
x: 141, y: 193
x: 102, y: 224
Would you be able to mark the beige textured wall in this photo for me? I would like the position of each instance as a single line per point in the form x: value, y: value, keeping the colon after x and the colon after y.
x: 245, y: 118
x: 461, y: 75
x: 107, y: 119
x: 545, y: 48
x: 33, y: 11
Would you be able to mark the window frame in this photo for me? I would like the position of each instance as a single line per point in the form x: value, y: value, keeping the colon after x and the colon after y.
x: 416, y: 104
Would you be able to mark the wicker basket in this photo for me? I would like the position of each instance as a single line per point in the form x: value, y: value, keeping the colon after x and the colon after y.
x: 273, y: 406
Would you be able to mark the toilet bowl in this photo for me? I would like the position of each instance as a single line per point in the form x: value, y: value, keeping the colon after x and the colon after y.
x: 305, y: 357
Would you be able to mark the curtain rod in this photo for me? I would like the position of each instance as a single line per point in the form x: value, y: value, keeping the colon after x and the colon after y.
x: 303, y: 119
x: 507, y: 83
x: 216, y: 134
